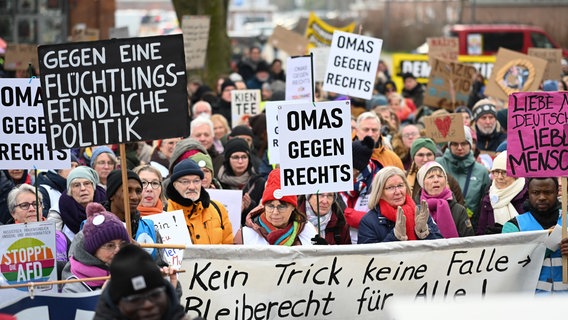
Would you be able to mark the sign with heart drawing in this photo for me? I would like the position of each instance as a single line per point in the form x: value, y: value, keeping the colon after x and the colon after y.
x: 445, y: 128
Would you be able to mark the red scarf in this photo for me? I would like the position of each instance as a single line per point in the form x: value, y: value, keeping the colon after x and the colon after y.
x: 409, y: 208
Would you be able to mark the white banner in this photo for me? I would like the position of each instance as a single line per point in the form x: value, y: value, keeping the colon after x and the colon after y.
x: 232, y: 200
x: 23, y: 143
x: 244, y: 103
x: 315, y: 147
x: 321, y: 56
x: 195, y: 39
x: 173, y: 230
x: 356, y: 281
x: 299, y: 81
x: 352, y: 64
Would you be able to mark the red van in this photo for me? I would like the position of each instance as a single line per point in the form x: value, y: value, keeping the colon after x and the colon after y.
x: 485, y: 39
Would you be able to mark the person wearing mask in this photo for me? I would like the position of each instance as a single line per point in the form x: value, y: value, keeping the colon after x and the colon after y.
x: 207, y: 220
x: 393, y: 215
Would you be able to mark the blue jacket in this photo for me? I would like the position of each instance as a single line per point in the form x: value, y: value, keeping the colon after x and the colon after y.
x: 375, y: 228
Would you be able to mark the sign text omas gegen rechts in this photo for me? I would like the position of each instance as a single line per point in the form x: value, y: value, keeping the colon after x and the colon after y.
x: 114, y: 91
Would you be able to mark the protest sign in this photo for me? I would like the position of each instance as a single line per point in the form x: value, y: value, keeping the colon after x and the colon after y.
x: 514, y: 72
x: 352, y: 64
x: 537, y: 142
x: 271, y: 109
x: 23, y: 143
x: 27, y: 253
x: 554, y: 59
x: 118, y: 33
x: 195, y: 38
x: 20, y: 56
x: 445, y: 128
x: 315, y: 147
x: 49, y: 306
x: 232, y: 201
x: 319, y: 33
x: 292, y: 43
x: 114, y: 91
x: 173, y: 230
x: 244, y: 103
x: 357, y: 281
x: 81, y: 33
x: 445, y: 48
x: 321, y: 56
x: 449, y: 84
x: 299, y: 83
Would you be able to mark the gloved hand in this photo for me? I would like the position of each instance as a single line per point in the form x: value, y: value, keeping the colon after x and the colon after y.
x: 319, y: 241
x: 400, y: 225
x: 421, y: 220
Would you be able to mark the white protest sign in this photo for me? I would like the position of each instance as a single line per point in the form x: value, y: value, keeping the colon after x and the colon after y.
x: 118, y: 33
x: 27, y: 254
x: 321, y: 56
x: 357, y: 281
x: 315, y: 147
x: 244, y: 103
x: 271, y: 110
x: 173, y: 230
x: 352, y: 64
x: 232, y: 201
x: 195, y: 38
x: 23, y: 142
x: 299, y: 81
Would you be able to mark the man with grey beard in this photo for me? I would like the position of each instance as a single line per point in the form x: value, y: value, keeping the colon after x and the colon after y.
x: 488, y: 130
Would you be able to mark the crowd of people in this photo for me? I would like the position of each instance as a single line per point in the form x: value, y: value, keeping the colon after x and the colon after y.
x: 405, y: 186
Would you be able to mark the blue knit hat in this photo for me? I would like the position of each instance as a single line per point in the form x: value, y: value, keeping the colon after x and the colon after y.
x: 184, y: 168
x: 97, y: 152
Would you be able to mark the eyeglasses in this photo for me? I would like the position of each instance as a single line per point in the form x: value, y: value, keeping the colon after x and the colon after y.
x: 459, y: 144
x: 281, y: 207
x: 78, y: 184
x: 424, y: 155
x: 26, y: 205
x: 394, y: 188
x: 112, y: 246
x: 154, y: 184
x: 502, y: 173
x: 187, y: 183
x: 102, y: 163
x: 237, y: 158
x: 140, y: 298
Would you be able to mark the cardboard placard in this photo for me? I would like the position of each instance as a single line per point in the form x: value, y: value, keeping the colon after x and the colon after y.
x: 114, y: 91
x: 299, y: 79
x: 19, y: 56
x: 315, y: 147
x: 445, y: 48
x: 23, y: 142
x: 537, y: 142
x: 554, y: 59
x: 195, y: 38
x: 292, y: 43
x: 320, y: 34
x: 244, y: 103
x: 449, y: 84
x: 352, y: 65
x: 514, y: 72
x: 445, y: 128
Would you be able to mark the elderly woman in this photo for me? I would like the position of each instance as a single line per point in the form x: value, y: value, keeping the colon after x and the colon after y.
x: 103, y: 160
x: 103, y: 235
x: 82, y: 188
x: 402, y: 143
x: 152, y: 193
x: 394, y: 216
x: 503, y: 201
x: 237, y: 173
x: 450, y: 216
x: 332, y: 226
x: 221, y: 130
x: 277, y: 221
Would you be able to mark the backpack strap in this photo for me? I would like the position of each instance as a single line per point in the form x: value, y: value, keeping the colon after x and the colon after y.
x: 219, y: 212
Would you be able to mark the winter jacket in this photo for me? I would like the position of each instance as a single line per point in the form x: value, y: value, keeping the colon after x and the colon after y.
x: 6, y: 184
x: 375, y: 228
x: 490, y: 142
x: 461, y: 219
x: 416, y: 94
x: 51, y: 185
x: 486, y: 221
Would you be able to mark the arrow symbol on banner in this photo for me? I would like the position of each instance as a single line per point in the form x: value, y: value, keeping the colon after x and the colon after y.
x: 525, y: 262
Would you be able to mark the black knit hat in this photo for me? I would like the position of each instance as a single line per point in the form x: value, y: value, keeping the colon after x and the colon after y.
x: 114, y: 181
x: 133, y: 271
x: 362, y: 152
x: 227, y: 83
x: 236, y: 145
x: 241, y: 130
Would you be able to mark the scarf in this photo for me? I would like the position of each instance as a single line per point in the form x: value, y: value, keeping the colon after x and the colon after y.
x: 281, y: 237
x: 82, y: 271
x: 72, y: 213
x: 363, y: 181
x: 232, y: 181
x: 503, y: 210
x: 313, y: 218
x: 409, y: 208
x: 147, y: 211
x: 441, y: 212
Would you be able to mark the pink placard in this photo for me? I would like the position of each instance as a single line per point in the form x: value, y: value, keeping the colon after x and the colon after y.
x: 536, y: 136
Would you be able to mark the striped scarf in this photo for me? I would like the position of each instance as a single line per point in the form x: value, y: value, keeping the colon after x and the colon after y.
x: 363, y: 181
x: 281, y: 237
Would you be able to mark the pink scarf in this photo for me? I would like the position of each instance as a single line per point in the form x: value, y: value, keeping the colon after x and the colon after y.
x: 82, y: 271
x: 441, y: 213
